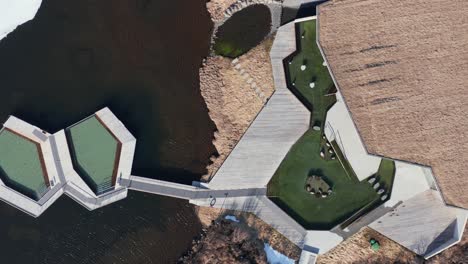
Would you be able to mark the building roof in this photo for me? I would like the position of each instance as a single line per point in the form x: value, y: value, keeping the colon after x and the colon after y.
x: 402, y: 68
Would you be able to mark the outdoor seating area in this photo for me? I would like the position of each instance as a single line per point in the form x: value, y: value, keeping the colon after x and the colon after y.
x: 288, y: 187
x: 315, y: 167
x: 318, y: 187
x: 326, y: 151
x: 382, y: 181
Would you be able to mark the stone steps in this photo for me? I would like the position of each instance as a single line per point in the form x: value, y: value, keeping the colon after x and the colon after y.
x: 248, y: 80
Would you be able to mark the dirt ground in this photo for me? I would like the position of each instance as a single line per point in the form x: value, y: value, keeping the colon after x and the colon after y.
x: 356, y: 249
x: 217, y: 8
x: 232, y: 102
x: 226, y: 242
x: 264, y: 231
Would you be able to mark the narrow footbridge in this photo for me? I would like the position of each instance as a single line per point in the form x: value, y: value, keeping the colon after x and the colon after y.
x: 183, y: 191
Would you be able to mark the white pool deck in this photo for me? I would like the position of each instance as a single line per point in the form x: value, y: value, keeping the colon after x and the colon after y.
x: 76, y: 188
x: 126, y: 138
x: 63, y: 178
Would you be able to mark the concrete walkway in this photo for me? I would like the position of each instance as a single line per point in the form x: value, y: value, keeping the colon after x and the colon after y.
x: 183, y: 191
x: 339, y: 126
x: 282, y: 121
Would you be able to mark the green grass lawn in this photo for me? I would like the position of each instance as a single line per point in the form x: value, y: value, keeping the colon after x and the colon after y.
x: 310, y: 56
x: 385, y: 174
x: 350, y: 197
x: 287, y: 186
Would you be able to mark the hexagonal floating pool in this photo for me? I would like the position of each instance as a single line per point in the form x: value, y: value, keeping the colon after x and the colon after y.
x: 22, y: 166
x: 95, y: 153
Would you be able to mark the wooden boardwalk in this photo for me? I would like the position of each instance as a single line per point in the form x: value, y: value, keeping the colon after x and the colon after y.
x: 282, y: 121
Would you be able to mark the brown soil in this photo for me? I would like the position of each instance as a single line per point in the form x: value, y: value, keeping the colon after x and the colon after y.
x: 232, y: 102
x: 264, y: 231
x: 216, y: 8
x: 207, y: 214
x: 356, y: 249
x: 227, y: 242
x: 274, y: 238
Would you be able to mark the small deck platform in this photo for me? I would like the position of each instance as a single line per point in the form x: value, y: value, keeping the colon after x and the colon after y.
x: 423, y: 224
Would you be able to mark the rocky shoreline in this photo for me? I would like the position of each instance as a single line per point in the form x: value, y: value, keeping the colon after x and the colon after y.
x: 224, y: 241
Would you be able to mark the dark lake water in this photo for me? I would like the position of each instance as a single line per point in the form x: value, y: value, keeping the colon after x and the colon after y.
x: 142, y: 228
x: 141, y: 59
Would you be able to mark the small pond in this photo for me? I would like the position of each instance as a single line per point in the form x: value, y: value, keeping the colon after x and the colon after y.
x: 243, y: 31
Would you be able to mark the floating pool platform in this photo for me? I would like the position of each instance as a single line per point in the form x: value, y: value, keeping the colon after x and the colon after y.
x: 95, y: 152
x: 86, y: 161
x: 21, y: 164
x: 28, y: 170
